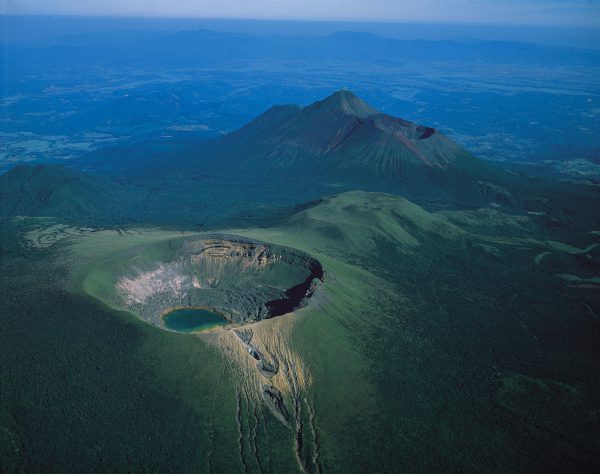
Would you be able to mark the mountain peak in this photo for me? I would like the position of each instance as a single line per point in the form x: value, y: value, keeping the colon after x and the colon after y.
x: 347, y: 102
x: 345, y: 136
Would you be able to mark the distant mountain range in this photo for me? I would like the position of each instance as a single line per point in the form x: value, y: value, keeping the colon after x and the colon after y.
x: 204, y: 46
x: 287, y: 155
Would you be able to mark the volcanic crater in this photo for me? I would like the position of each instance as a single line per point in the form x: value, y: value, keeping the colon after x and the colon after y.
x: 241, y: 279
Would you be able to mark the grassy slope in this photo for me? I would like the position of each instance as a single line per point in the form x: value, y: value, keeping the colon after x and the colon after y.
x: 430, y: 349
x: 57, y: 191
x: 86, y: 388
x: 462, y: 357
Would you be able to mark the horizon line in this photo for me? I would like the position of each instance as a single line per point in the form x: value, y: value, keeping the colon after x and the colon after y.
x: 507, y: 24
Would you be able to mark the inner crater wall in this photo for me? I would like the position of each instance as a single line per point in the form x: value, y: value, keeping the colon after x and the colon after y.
x: 242, y: 279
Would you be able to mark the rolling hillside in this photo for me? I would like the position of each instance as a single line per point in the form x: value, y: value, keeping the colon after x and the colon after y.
x: 58, y: 191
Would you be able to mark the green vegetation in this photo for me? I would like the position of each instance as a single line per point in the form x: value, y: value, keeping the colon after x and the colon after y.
x: 418, y: 359
x: 440, y: 338
x: 243, y: 280
x: 288, y: 155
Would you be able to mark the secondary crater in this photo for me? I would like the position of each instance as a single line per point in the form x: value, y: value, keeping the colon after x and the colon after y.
x: 191, y: 284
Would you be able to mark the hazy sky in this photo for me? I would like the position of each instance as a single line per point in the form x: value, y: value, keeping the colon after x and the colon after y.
x: 551, y: 12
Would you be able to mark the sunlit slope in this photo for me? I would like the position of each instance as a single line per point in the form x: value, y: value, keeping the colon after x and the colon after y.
x: 356, y: 221
x: 431, y: 334
x: 436, y: 339
x: 324, y: 374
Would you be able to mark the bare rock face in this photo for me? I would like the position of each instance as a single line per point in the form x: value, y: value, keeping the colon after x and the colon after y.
x: 241, y: 279
x: 274, y: 400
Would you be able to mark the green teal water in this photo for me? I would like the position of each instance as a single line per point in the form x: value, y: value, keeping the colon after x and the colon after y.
x: 192, y: 320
